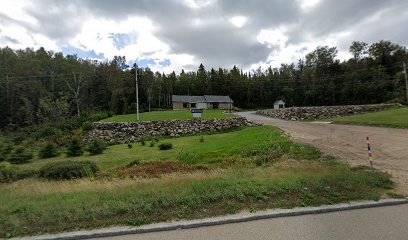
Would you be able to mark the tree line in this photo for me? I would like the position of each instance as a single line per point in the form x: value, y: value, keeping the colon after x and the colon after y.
x: 40, y: 86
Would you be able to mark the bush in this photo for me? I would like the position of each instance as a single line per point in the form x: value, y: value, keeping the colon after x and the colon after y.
x: 133, y: 163
x: 68, y: 170
x: 20, y: 156
x: 5, y: 152
x: 130, y: 145
x: 80, y: 122
x: 7, y: 173
x: 48, y: 151
x: 165, y: 146
x: 201, y: 139
x: 75, y: 148
x: 96, y: 147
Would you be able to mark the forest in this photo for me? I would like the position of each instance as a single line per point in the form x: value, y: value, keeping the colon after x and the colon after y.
x: 40, y: 86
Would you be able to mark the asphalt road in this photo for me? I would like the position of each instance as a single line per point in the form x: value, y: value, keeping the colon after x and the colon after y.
x: 348, y: 143
x: 373, y: 223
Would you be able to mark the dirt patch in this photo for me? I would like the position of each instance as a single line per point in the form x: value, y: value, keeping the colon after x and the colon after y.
x: 156, y: 169
x: 348, y: 143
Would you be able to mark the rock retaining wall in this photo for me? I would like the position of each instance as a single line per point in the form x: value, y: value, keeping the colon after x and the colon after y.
x: 123, y: 132
x: 321, y: 112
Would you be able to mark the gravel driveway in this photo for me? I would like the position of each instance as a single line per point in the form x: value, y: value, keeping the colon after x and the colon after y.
x: 348, y: 143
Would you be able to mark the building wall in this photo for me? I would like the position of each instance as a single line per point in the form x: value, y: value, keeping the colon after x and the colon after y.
x: 225, y: 106
x: 177, y: 105
x: 201, y: 105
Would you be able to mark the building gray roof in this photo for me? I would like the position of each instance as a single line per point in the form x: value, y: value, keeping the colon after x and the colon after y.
x: 278, y: 102
x: 189, y: 99
x: 197, y: 99
x: 212, y: 98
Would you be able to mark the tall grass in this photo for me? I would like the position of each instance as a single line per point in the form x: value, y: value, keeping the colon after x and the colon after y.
x: 32, y: 206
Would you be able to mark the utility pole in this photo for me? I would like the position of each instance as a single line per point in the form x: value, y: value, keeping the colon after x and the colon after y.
x: 404, y: 66
x: 137, y: 94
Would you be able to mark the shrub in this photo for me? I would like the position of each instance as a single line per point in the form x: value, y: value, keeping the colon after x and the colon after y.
x: 201, y: 139
x: 152, y: 143
x: 165, y: 146
x: 7, y: 173
x: 130, y: 145
x: 68, y: 170
x: 20, y: 156
x: 133, y: 163
x: 142, y: 141
x: 86, y: 126
x: 5, y: 152
x: 75, y: 148
x: 96, y: 147
x: 48, y: 151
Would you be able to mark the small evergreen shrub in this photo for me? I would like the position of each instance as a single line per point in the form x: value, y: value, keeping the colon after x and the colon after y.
x: 48, y: 151
x: 5, y: 151
x: 152, y: 143
x: 165, y: 146
x: 75, y: 148
x: 68, y: 170
x: 20, y: 156
x: 7, y: 173
x: 130, y: 145
x: 201, y: 139
x: 133, y: 163
x: 96, y: 147
x: 142, y: 142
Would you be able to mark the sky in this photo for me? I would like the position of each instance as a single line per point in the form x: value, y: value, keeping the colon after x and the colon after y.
x: 168, y: 35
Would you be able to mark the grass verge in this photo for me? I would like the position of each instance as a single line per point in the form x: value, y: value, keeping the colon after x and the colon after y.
x: 201, y: 176
x: 34, y: 207
x: 397, y: 118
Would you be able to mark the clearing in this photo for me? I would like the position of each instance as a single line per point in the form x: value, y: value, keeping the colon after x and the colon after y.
x: 248, y: 169
x: 169, y: 115
x: 388, y: 118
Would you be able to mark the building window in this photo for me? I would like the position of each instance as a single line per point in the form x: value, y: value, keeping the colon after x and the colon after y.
x: 193, y: 105
x: 185, y: 105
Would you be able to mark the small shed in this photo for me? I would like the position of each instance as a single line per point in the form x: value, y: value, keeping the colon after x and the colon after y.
x: 278, y: 104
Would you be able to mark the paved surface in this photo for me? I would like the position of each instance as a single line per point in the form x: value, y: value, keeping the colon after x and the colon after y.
x: 374, y: 223
x: 348, y: 143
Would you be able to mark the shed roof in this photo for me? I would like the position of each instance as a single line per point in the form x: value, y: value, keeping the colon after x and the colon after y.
x: 189, y: 99
x: 278, y: 102
x: 212, y: 98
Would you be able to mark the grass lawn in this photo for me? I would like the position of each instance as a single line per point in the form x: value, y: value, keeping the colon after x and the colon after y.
x: 390, y: 118
x: 168, y: 115
x: 249, y: 169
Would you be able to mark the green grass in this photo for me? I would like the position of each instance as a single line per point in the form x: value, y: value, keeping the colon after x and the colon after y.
x: 215, y: 146
x: 35, y: 207
x: 389, y: 118
x: 248, y: 169
x: 168, y: 115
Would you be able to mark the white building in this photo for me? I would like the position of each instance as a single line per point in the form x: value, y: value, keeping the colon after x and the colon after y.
x: 278, y: 104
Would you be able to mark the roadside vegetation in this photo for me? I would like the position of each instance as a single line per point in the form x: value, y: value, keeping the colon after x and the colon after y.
x: 397, y: 118
x: 252, y: 168
x: 169, y: 115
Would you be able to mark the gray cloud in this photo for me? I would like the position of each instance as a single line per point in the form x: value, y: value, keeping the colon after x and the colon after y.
x: 215, y: 42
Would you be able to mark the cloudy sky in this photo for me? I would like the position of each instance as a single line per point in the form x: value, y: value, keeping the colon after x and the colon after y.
x: 170, y: 35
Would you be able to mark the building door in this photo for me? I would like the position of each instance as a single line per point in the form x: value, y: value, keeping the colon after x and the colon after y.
x: 215, y: 106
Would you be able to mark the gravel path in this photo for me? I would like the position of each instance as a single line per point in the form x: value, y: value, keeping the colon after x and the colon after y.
x: 348, y: 143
